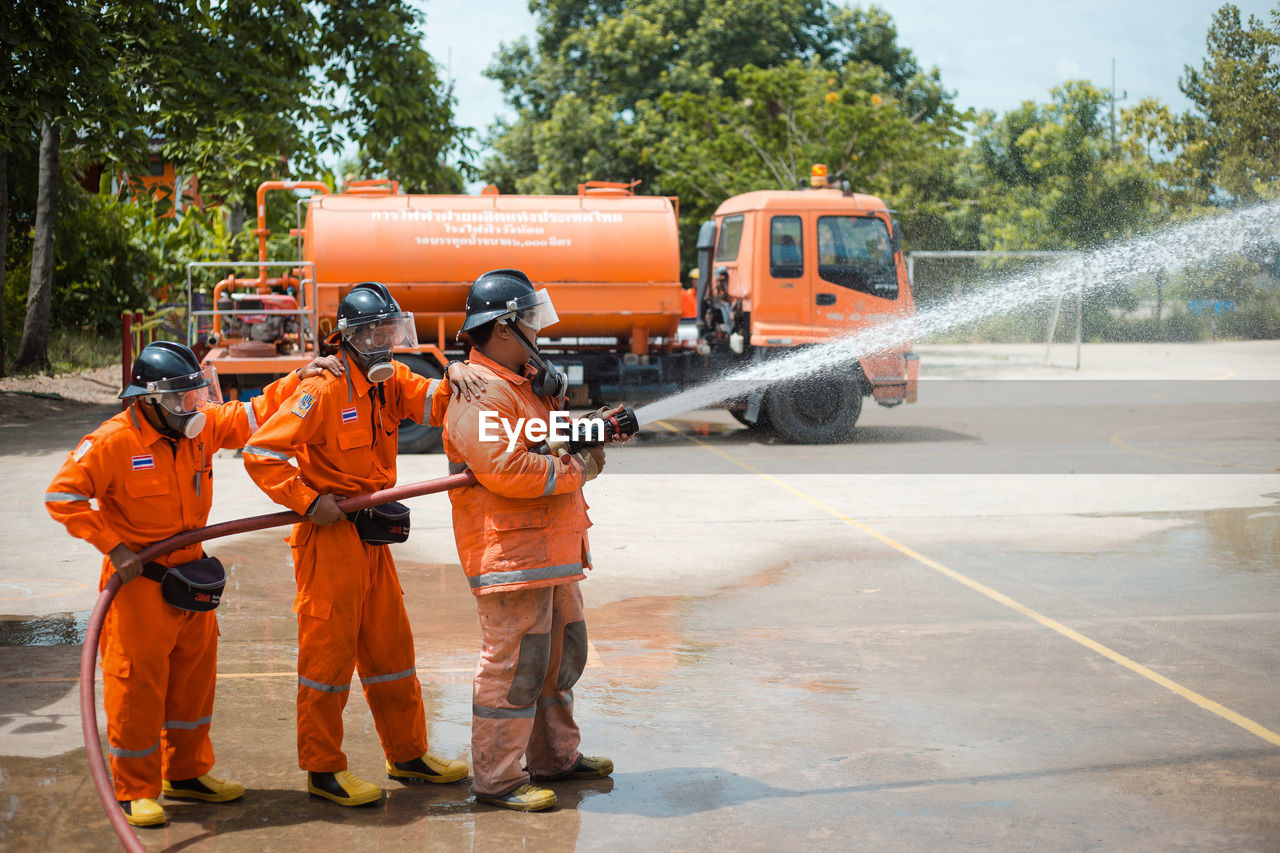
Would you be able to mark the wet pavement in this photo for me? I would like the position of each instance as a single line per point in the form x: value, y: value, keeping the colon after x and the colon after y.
x: 791, y: 647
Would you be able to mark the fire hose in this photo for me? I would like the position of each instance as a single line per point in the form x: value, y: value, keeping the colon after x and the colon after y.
x: 88, y: 665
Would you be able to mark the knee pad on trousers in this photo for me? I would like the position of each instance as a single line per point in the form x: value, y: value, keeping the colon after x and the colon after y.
x: 573, y: 658
x: 531, y: 669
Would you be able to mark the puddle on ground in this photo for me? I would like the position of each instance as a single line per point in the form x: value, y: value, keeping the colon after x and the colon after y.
x: 1245, y: 539
x: 56, y: 629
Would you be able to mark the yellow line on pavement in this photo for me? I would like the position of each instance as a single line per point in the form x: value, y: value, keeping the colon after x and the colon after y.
x: 1119, y: 441
x: 1132, y: 665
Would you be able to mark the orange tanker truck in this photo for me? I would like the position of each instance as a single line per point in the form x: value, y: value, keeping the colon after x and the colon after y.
x: 777, y: 270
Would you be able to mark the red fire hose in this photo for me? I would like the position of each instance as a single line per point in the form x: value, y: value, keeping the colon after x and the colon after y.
x: 88, y: 665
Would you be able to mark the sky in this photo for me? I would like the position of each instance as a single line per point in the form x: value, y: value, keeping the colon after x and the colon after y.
x: 994, y: 54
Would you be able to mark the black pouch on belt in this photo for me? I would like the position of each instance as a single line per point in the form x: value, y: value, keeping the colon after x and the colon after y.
x: 383, y: 524
x: 195, y: 586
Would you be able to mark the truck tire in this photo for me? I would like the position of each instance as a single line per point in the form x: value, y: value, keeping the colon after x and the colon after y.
x: 821, y: 410
x: 416, y: 437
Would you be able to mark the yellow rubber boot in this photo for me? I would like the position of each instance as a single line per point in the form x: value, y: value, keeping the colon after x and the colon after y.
x: 526, y: 798
x: 428, y: 768
x: 343, y: 788
x: 207, y: 788
x: 587, y: 767
x: 143, y: 812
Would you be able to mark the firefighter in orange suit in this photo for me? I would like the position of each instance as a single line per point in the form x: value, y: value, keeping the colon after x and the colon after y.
x: 350, y: 607
x: 522, y: 539
x: 150, y: 470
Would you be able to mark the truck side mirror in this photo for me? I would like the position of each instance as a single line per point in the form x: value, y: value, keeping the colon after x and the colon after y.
x: 896, y: 237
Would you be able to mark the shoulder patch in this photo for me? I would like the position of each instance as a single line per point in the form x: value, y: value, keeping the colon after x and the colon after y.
x: 82, y: 449
x: 303, y: 407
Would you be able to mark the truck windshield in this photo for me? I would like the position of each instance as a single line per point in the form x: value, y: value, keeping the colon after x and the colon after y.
x: 855, y: 252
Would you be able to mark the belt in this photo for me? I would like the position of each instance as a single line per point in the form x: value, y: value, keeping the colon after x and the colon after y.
x: 154, y: 571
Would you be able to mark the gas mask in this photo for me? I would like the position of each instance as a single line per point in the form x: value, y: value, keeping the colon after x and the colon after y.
x: 370, y: 344
x: 535, y: 312
x: 177, y: 403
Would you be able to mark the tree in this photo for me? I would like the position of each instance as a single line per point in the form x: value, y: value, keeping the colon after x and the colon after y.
x: 235, y: 92
x: 1050, y: 178
x: 783, y: 119
x: 396, y: 106
x: 1236, y: 93
x: 587, y: 93
x: 58, y: 81
x: 4, y: 240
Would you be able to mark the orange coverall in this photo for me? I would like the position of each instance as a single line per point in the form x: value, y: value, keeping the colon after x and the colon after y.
x: 522, y: 539
x: 159, y: 663
x: 349, y: 604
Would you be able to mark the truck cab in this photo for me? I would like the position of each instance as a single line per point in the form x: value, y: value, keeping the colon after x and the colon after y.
x: 781, y: 270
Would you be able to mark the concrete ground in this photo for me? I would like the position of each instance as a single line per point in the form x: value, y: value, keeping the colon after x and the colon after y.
x: 1035, y: 610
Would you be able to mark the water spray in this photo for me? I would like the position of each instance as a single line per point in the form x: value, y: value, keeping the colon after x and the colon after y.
x: 88, y: 654
x: 1201, y: 241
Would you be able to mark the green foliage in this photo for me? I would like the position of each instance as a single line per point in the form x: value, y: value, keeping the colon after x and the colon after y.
x: 783, y: 119
x: 589, y: 94
x: 1051, y: 181
x: 111, y: 254
x: 236, y: 92
x: 59, y: 64
x: 1236, y: 93
x: 381, y: 82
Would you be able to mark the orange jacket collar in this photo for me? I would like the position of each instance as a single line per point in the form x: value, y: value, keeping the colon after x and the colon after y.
x: 359, y: 385
x: 483, y: 360
x: 150, y: 435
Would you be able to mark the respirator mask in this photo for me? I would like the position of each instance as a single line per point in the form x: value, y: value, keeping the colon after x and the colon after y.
x: 178, y: 401
x: 535, y: 313
x: 371, y: 342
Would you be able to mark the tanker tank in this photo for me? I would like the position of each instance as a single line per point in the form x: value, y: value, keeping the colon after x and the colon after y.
x: 610, y: 262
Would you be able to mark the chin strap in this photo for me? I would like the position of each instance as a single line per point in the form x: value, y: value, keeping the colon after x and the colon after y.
x: 545, y: 368
x: 351, y: 391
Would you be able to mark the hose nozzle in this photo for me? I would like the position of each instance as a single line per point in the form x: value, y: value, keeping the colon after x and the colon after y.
x: 624, y: 423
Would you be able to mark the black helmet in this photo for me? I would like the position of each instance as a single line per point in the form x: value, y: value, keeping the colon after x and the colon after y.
x: 367, y: 301
x: 487, y: 300
x: 167, y: 362
x: 168, y: 382
x: 371, y: 326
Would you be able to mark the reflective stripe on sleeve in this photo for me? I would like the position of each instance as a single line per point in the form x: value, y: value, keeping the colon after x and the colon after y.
x: 378, y: 679
x: 133, y: 753
x: 57, y: 497
x: 248, y: 412
x: 503, y: 713
x: 262, y: 451
x: 322, y: 687
x: 550, y: 488
x: 568, y: 570
x: 187, y: 725
x: 432, y: 385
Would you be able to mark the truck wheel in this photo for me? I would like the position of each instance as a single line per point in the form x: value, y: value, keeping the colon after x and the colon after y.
x: 822, y: 410
x: 416, y: 437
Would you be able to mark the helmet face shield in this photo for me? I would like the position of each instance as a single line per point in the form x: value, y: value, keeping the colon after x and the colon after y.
x: 534, y: 310
x: 380, y: 335
x: 186, y: 395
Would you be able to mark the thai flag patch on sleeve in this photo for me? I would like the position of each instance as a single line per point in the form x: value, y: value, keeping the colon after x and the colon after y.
x: 303, y: 407
x: 143, y: 463
x: 349, y: 415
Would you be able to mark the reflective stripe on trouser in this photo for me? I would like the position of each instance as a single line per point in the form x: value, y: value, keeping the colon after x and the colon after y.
x: 512, y: 713
x: 351, y: 615
x: 159, y: 666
